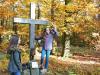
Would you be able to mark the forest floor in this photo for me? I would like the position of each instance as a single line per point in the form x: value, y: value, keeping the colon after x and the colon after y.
x: 76, y: 65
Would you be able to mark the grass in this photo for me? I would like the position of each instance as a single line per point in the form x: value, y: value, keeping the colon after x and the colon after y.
x: 2, y: 55
x: 82, y: 50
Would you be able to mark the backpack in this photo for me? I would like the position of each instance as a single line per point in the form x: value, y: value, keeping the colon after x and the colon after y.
x: 11, y: 52
x: 19, y: 68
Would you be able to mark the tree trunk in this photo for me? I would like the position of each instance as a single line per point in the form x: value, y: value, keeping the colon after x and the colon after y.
x: 52, y: 11
x: 0, y: 39
x: 14, y: 24
x: 38, y: 15
x: 67, y: 48
x: 63, y: 43
x: 52, y: 16
x: 15, y: 28
x: 66, y: 40
x: 2, y: 22
x: 97, y: 5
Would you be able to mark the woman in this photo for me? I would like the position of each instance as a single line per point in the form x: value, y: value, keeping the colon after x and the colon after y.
x: 47, y: 37
x: 14, y: 66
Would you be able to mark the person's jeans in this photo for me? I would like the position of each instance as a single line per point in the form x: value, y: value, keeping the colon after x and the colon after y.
x: 47, y: 53
x: 16, y: 73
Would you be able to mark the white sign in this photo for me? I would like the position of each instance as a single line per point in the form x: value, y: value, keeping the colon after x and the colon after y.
x: 95, y: 34
x: 34, y: 65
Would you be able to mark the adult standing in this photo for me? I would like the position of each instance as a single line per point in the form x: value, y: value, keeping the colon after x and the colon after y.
x: 48, y: 35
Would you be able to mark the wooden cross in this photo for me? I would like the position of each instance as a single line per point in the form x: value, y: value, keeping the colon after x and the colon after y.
x: 32, y: 21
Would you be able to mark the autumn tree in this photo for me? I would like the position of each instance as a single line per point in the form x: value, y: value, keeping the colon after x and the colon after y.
x: 76, y: 17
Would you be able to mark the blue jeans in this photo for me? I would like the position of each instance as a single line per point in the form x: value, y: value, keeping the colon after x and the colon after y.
x: 15, y: 73
x: 47, y: 53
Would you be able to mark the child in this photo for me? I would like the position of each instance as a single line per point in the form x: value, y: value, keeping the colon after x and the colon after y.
x: 14, y: 66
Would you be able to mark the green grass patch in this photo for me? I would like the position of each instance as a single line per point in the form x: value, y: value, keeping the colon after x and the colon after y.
x: 82, y: 50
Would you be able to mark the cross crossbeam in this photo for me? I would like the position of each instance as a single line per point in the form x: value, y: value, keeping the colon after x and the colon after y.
x: 30, y: 21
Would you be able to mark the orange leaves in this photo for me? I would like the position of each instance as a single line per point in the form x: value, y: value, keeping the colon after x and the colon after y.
x: 6, y: 9
x: 5, y: 13
x: 8, y: 3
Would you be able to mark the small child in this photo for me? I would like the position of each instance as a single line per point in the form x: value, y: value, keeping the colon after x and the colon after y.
x: 14, y: 66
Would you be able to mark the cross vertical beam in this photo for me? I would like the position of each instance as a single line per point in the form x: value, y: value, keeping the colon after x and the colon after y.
x: 32, y: 31
x: 32, y: 26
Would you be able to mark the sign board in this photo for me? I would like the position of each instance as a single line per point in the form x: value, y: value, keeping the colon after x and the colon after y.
x: 34, y: 65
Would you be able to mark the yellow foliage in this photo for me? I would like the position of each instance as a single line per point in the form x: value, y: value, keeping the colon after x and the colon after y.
x: 70, y: 19
x: 72, y: 8
x: 3, y: 64
x: 82, y: 11
x: 77, y: 28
